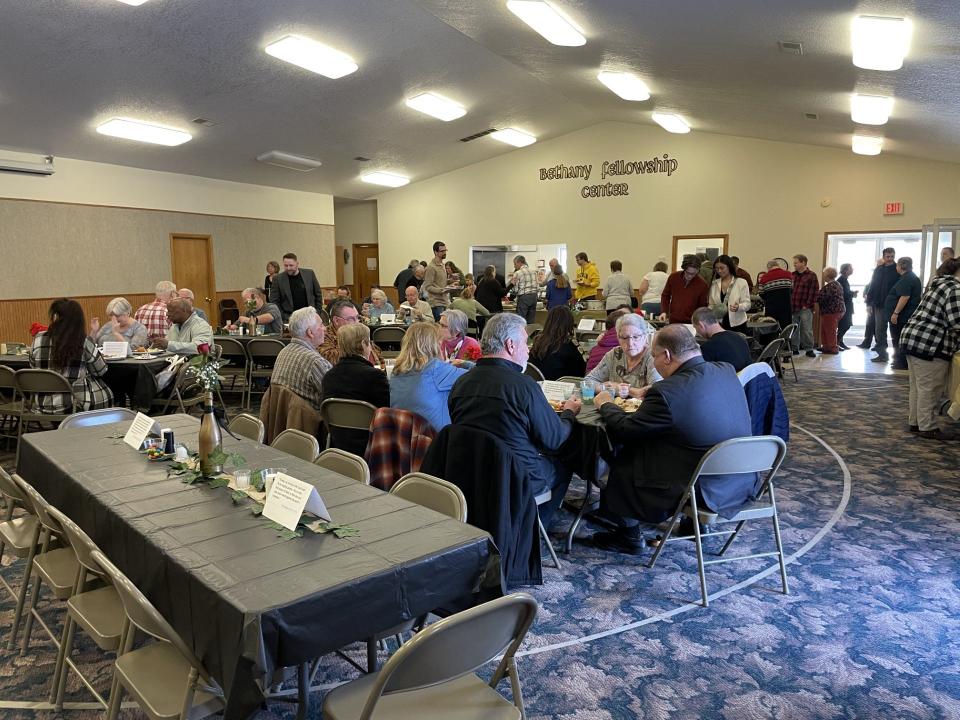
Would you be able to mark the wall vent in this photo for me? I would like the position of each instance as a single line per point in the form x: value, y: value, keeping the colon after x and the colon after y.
x: 811, y: 116
x: 468, y: 138
x: 204, y: 122
x: 791, y: 47
x: 361, y: 158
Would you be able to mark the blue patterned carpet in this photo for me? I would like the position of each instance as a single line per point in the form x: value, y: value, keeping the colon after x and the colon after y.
x: 871, y: 628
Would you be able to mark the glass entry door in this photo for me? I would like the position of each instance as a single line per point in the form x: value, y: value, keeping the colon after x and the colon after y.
x: 942, y: 233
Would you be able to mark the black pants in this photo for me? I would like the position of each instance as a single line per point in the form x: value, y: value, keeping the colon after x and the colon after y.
x: 870, y: 328
x: 895, y: 330
x: 845, y: 323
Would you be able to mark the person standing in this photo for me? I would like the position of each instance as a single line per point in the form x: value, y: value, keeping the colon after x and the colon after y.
x: 805, y: 289
x: 400, y: 283
x: 846, y: 270
x: 900, y: 303
x: 552, y: 264
x: 490, y: 290
x: 559, y: 291
x: 830, y: 300
x: 729, y: 294
x: 295, y: 288
x: 885, y: 275
x: 587, y: 279
x: 617, y: 290
x: 743, y: 274
x: 684, y: 292
x: 273, y: 268
x: 435, y: 281
x: 775, y: 288
x: 524, y: 282
x: 651, y: 288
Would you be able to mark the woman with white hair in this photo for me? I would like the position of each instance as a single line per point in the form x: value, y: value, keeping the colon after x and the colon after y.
x: 630, y: 362
x: 457, y: 345
x: 379, y: 305
x: 121, y: 327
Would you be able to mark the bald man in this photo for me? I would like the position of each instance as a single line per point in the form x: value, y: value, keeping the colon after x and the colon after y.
x: 187, y: 330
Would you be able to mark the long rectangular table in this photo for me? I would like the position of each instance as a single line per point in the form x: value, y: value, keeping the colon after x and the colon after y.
x: 247, y: 601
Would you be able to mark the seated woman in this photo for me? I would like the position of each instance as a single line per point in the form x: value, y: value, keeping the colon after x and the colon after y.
x: 630, y: 362
x: 379, y: 305
x: 65, y: 348
x: 555, y: 351
x: 121, y: 328
x: 421, y: 381
x: 467, y: 304
x: 607, y: 341
x: 457, y: 345
x: 354, y: 378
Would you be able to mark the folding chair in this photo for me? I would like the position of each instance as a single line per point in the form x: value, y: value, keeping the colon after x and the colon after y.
x: 235, y: 357
x: 186, y: 392
x: 345, y: 463
x: 432, y: 492
x: 570, y: 379
x: 760, y: 454
x: 346, y: 414
x: 786, y: 351
x: 19, y: 536
x: 388, y: 339
x: 11, y: 405
x: 534, y: 372
x: 297, y: 443
x: 541, y: 499
x: 432, y: 676
x: 229, y: 315
x: 34, y: 385
x: 89, y: 418
x: 771, y: 353
x: 248, y: 426
x: 262, y: 354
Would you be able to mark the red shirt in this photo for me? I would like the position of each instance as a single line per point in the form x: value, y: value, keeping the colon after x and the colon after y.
x: 679, y: 301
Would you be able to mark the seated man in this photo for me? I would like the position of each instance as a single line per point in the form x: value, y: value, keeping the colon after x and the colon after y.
x: 697, y: 405
x: 187, y: 331
x: 414, y: 308
x: 153, y: 316
x: 299, y: 366
x: 266, y: 314
x: 343, y: 293
x: 187, y: 294
x: 343, y: 312
x: 722, y: 345
x: 497, y: 397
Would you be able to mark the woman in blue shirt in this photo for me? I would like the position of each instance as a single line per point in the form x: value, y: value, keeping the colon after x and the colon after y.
x: 558, y: 289
x: 421, y: 381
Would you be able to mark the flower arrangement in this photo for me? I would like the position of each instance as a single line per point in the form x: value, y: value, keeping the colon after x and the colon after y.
x: 204, y: 368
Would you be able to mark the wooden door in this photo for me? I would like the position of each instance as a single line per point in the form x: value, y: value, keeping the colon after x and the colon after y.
x: 366, y: 270
x: 191, y: 259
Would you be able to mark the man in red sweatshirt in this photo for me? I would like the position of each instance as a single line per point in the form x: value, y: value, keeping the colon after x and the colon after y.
x: 684, y: 292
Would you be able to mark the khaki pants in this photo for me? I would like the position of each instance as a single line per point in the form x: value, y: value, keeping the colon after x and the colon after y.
x: 927, y: 381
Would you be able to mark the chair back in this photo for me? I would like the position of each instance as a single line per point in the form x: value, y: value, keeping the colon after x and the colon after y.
x: 231, y: 350
x: 229, y: 315
x: 40, y: 506
x: 771, y: 351
x: 351, y: 414
x: 248, y: 426
x: 6, y: 378
x: 89, y: 418
x: 324, y: 316
x: 534, y: 372
x: 457, y: 645
x: 432, y: 492
x: 383, y: 335
x: 263, y: 349
x: 10, y: 490
x: 345, y: 463
x: 83, y: 546
x: 298, y: 443
x: 533, y: 329
x: 227, y: 303
x: 787, y: 333
x: 760, y: 453
x: 31, y: 382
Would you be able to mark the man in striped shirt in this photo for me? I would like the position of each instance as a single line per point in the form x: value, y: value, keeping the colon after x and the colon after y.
x: 153, y: 316
x: 524, y: 282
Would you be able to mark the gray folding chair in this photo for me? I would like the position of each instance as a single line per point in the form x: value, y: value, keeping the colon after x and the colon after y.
x: 346, y: 414
x: 534, y: 372
x: 432, y: 677
x: 571, y: 379
x: 345, y: 463
x: 165, y: 678
x: 541, y: 499
x: 248, y: 426
x: 34, y: 385
x: 235, y: 366
x: 185, y: 394
x: 297, y: 443
x: 432, y: 492
x: 11, y: 404
x: 89, y: 418
x: 771, y: 353
x: 786, y: 351
x: 388, y: 339
x: 262, y: 355
x: 533, y: 329
x: 19, y: 536
x: 762, y: 454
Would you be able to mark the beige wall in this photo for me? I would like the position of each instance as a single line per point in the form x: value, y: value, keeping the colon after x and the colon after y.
x: 356, y: 223
x: 765, y: 195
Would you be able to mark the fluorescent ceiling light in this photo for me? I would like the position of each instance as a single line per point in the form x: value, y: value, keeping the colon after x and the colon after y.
x: 143, y: 132
x: 548, y: 21
x: 313, y: 56
x: 512, y: 136
x: 385, y: 178
x: 133, y: 2
x: 880, y: 43
x: 289, y: 161
x: 671, y: 123
x: 870, y: 109
x: 867, y: 145
x: 626, y: 85
x: 437, y: 106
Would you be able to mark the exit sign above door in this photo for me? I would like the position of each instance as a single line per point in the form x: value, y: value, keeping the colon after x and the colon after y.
x: 893, y: 208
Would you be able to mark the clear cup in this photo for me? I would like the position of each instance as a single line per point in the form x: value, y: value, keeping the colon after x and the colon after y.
x: 623, y: 390
x: 241, y: 479
x: 587, y: 391
x: 269, y: 475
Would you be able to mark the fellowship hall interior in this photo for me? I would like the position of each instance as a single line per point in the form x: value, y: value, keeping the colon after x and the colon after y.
x: 144, y: 141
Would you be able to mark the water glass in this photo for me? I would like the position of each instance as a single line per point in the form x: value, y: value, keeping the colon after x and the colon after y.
x: 269, y: 475
x: 587, y: 390
x: 241, y: 479
x: 623, y: 390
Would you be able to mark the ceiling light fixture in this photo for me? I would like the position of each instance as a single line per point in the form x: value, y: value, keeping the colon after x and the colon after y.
x: 437, y: 106
x: 671, y: 123
x: 385, y: 178
x: 512, y: 136
x: 626, y: 85
x: 135, y: 3
x: 312, y: 55
x: 143, y: 132
x: 870, y: 109
x: 289, y: 161
x: 867, y: 145
x: 548, y: 21
x: 880, y: 43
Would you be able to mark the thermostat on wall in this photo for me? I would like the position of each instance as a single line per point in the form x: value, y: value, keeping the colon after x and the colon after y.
x: 826, y: 202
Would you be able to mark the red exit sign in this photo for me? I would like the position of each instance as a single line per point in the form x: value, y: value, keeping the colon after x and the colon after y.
x: 893, y: 208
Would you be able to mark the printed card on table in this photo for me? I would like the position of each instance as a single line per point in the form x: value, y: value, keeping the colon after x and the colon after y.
x: 586, y: 325
x: 141, y: 426
x: 388, y: 318
x: 115, y: 349
x: 557, y: 391
x: 289, y: 498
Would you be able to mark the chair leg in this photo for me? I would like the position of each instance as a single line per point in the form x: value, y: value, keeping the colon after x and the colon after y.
x: 116, y: 695
x: 546, y: 539
x: 699, y: 542
x: 581, y: 511
x: 666, y: 536
x: 776, y: 535
x: 373, y: 662
x: 28, y: 628
x: 60, y: 673
x: 22, y: 594
x: 732, y: 537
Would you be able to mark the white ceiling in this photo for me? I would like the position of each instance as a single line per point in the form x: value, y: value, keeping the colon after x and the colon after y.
x: 67, y: 65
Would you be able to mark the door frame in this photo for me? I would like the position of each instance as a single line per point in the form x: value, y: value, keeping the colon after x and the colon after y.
x: 211, y: 274
x: 356, y: 265
x: 826, y: 239
x: 676, y: 238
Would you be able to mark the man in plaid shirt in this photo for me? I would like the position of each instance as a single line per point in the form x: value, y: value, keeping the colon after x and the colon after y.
x: 153, y: 316
x: 524, y: 282
x: 299, y: 366
x: 805, y: 289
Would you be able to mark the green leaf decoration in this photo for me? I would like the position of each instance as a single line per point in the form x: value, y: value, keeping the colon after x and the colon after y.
x: 237, y: 460
x: 191, y: 476
x: 238, y: 496
x: 218, y: 456
x: 257, y: 508
x: 256, y: 479
x: 195, y: 361
x: 340, y: 531
x: 219, y: 482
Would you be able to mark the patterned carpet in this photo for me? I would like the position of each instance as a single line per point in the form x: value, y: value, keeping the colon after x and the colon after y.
x: 871, y: 628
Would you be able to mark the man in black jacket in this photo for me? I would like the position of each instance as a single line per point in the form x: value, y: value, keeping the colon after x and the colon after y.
x: 885, y: 276
x: 295, y: 287
x: 697, y: 405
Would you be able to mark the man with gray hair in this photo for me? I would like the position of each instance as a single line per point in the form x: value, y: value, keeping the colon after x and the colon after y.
x: 153, y: 316
x: 263, y: 313
x: 498, y: 398
x: 901, y: 301
x: 187, y: 294
x: 525, y: 285
x: 404, y: 276
x: 299, y: 366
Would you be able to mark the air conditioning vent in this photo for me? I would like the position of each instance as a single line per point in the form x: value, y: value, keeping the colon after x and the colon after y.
x: 811, y: 116
x: 203, y: 121
x: 468, y: 138
x: 289, y: 161
x: 361, y: 158
x: 791, y: 47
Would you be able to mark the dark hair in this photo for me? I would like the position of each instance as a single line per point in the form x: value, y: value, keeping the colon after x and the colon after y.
x: 611, y: 321
x: 689, y: 261
x: 735, y: 259
x: 453, y: 267
x: 557, y: 330
x: 728, y: 261
x: 949, y: 267
x: 583, y: 256
x: 949, y: 250
x: 889, y: 250
x: 66, y: 333
x: 802, y: 258
x: 423, y: 263
x: 290, y: 256
x: 558, y: 278
x: 344, y: 287
x: 338, y: 305
x: 660, y: 267
x: 437, y: 245
x: 677, y: 339
x: 616, y: 266
x: 275, y: 265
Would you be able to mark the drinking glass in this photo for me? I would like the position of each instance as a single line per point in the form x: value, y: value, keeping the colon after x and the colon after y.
x: 587, y: 391
x: 623, y: 390
x: 241, y: 479
x: 269, y: 475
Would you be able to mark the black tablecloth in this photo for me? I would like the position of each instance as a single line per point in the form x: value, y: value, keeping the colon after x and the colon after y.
x: 243, y: 598
x: 588, y: 442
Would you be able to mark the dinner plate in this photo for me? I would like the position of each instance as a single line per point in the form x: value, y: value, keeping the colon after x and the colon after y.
x: 148, y: 355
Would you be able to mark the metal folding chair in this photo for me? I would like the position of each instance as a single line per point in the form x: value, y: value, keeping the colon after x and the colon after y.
x: 262, y: 355
x: 248, y: 426
x: 34, y: 385
x: 297, y: 443
x: 89, y: 418
x: 432, y: 492
x: 786, y: 351
x: 534, y: 372
x: 346, y: 414
x: 345, y: 463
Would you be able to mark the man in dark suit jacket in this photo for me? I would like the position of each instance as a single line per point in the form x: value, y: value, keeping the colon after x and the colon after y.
x: 295, y: 287
x: 697, y: 405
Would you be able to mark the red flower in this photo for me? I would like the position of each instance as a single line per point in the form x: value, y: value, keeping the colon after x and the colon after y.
x: 203, y: 348
x: 37, y: 328
x: 472, y: 353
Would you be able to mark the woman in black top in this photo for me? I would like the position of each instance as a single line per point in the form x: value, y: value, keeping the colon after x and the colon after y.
x: 846, y: 270
x: 554, y: 352
x: 273, y: 267
x: 490, y: 292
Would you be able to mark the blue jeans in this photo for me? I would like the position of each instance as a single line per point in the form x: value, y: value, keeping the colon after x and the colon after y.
x: 803, y: 338
x: 880, y: 319
x: 437, y: 311
x: 527, y: 307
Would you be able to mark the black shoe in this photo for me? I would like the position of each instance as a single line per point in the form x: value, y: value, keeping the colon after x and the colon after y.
x: 882, y: 357
x: 811, y: 353
x: 898, y: 366
x: 796, y: 352
x: 818, y: 348
x: 619, y: 541
x: 842, y: 346
x: 935, y: 434
x: 864, y: 346
x: 914, y: 428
